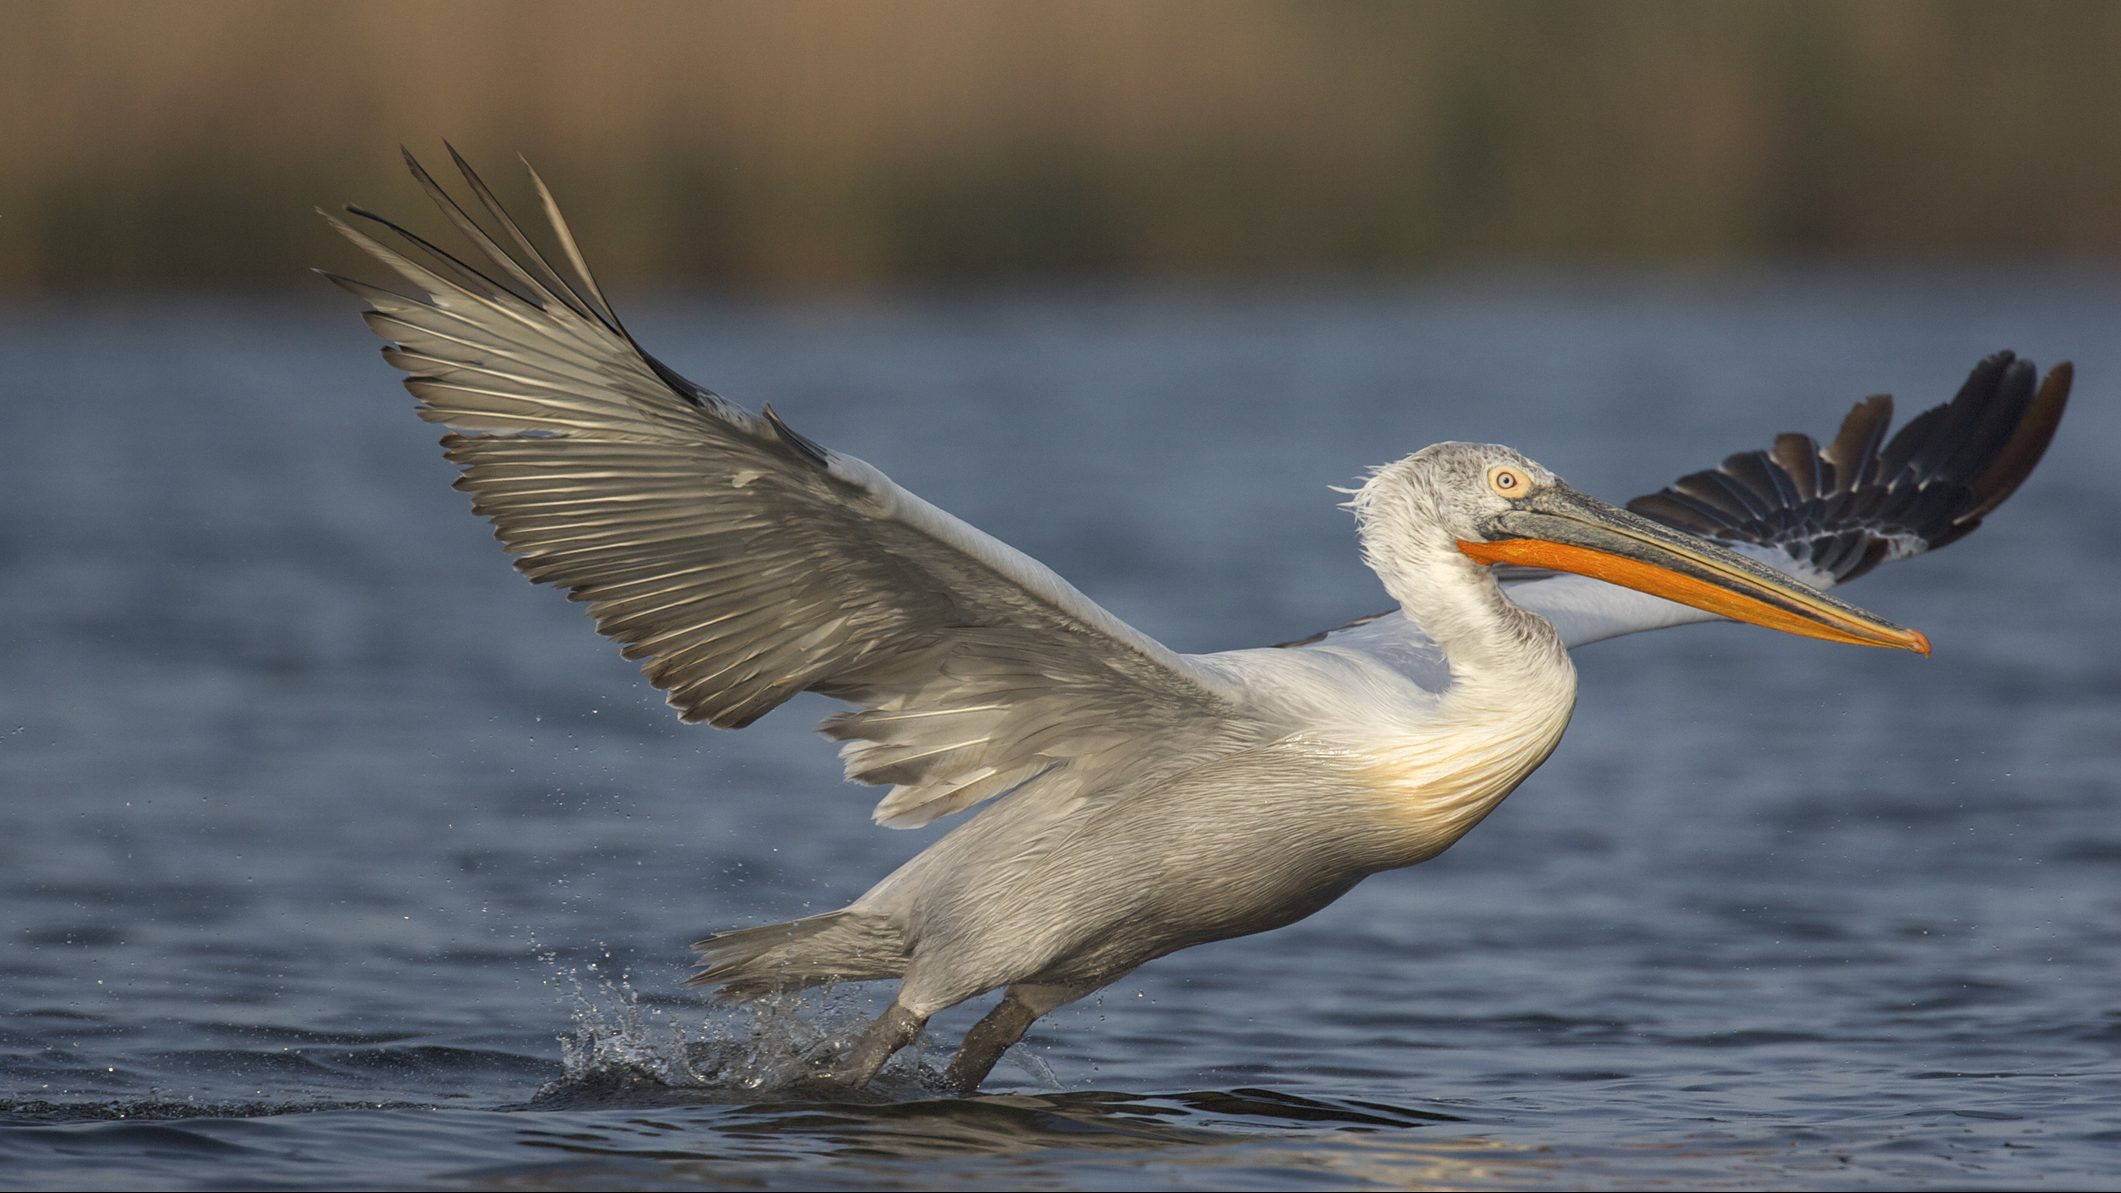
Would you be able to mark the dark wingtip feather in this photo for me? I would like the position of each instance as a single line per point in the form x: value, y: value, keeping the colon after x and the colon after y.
x: 2022, y: 451
x: 1798, y: 458
x: 1985, y: 422
x: 1855, y: 446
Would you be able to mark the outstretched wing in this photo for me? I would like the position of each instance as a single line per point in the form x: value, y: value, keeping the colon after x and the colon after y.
x: 1829, y: 514
x: 740, y: 562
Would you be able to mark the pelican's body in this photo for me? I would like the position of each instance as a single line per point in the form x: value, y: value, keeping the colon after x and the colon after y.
x: 1132, y: 801
x: 1322, y: 765
x: 1330, y: 764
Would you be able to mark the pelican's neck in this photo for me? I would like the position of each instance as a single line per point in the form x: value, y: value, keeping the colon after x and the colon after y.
x: 1511, y: 692
x: 1511, y: 686
x: 1457, y: 602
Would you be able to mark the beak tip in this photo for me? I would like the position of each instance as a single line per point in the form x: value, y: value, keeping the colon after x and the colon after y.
x: 1920, y: 644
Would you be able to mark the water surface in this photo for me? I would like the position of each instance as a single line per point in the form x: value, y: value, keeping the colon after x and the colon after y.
x: 333, y: 853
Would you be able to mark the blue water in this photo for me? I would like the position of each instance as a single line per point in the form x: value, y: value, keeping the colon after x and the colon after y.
x: 333, y: 854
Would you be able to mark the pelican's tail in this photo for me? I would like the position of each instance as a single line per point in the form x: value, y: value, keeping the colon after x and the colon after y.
x: 839, y: 946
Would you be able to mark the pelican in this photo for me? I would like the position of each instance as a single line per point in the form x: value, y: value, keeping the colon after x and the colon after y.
x: 1132, y: 800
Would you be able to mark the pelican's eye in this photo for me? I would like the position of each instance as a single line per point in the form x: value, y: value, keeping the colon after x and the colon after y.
x: 1509, y: 481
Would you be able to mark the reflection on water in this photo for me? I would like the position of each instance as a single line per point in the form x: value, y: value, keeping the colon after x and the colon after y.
x: 1083, y: 1140
x: 890, y: 1135
x: 328, y: 846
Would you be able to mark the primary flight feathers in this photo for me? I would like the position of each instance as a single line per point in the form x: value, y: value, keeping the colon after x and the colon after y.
x: 695, y: 532
x: 1861, y: 500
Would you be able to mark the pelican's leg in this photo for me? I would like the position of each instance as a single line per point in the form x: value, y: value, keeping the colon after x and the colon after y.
x: 1002, y: 1027
x: 893, y: 1030
x: 985, y: 1043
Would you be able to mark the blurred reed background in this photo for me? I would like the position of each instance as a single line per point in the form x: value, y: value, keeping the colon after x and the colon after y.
x: 810, y: 144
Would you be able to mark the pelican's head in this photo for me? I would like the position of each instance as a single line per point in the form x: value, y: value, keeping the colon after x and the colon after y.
x: 1492, y: 505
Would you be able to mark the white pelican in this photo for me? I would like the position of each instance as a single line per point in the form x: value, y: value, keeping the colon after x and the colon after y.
x: 1138, y: 800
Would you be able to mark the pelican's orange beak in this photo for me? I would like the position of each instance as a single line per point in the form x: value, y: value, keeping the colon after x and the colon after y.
x: 1563, y: 530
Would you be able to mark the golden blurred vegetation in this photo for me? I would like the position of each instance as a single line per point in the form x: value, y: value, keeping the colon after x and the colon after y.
x: 817, y: 143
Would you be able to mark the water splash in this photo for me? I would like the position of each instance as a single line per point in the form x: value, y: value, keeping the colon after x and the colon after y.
x: 625, y: 1049
x: 615, y: 1033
